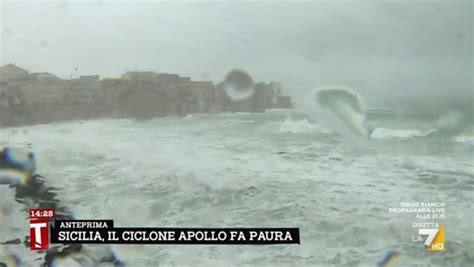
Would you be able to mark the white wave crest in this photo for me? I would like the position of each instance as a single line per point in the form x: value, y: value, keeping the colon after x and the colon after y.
x: 381, y: 133
x: 300, y: 126
x: 467, y: 139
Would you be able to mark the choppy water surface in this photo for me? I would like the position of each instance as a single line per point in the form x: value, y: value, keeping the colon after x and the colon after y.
x: 273, y: 169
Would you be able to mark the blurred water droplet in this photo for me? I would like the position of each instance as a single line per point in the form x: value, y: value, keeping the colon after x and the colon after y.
x: 63, y: 4
x: 238, y: 85
x: 10, y: 260
x: 65, y: 261
x: 7, y: 30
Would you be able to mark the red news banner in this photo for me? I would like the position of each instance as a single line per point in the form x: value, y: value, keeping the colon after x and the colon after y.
x: 45, y: 229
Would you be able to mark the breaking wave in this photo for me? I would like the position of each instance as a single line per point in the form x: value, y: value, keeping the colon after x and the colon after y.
x: 300, y: 126
x: 341, y: 110
x: 453, y: 124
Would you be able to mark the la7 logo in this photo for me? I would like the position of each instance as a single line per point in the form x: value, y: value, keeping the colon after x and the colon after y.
x: 436, y: 238
x: 431, y: 235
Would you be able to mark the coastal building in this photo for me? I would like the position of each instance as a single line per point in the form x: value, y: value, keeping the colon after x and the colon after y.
x: 45, y: 92
x: 276, y: 88
x: 218, y: 96
x: 181, y: 95
x: 12, y: 109
x: 230, y: 105
x: 166, y: 79
x: 139, y: 76
x: 283, y: 102
x: 42, y: 96
x: 12, y: 74
x: 4, y: 111
x: 113, y: 88
x: 192, y: 97
x: 184, y: 79
x: 149, y: 80
x: 20, y: 87
x: 4, y: 103
x: 44, y: 76
x: 141, y: 80
x: 263, y: 97
x: 12, y: 77
x: 87, y: 90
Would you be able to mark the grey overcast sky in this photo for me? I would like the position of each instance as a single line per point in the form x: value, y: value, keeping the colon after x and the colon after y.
x: 381, y: 48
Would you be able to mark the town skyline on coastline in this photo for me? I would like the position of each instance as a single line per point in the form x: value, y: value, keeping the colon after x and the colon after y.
x: 76, y: 72
x: 32, y: 97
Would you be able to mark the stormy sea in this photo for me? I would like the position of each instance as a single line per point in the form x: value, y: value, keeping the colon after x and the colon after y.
x: 273, y: 169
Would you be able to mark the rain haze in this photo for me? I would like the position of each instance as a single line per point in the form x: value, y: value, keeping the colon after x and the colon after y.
x: 382, y: 48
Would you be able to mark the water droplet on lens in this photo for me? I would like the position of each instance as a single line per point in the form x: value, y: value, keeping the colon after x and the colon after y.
x: 238, y: 85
